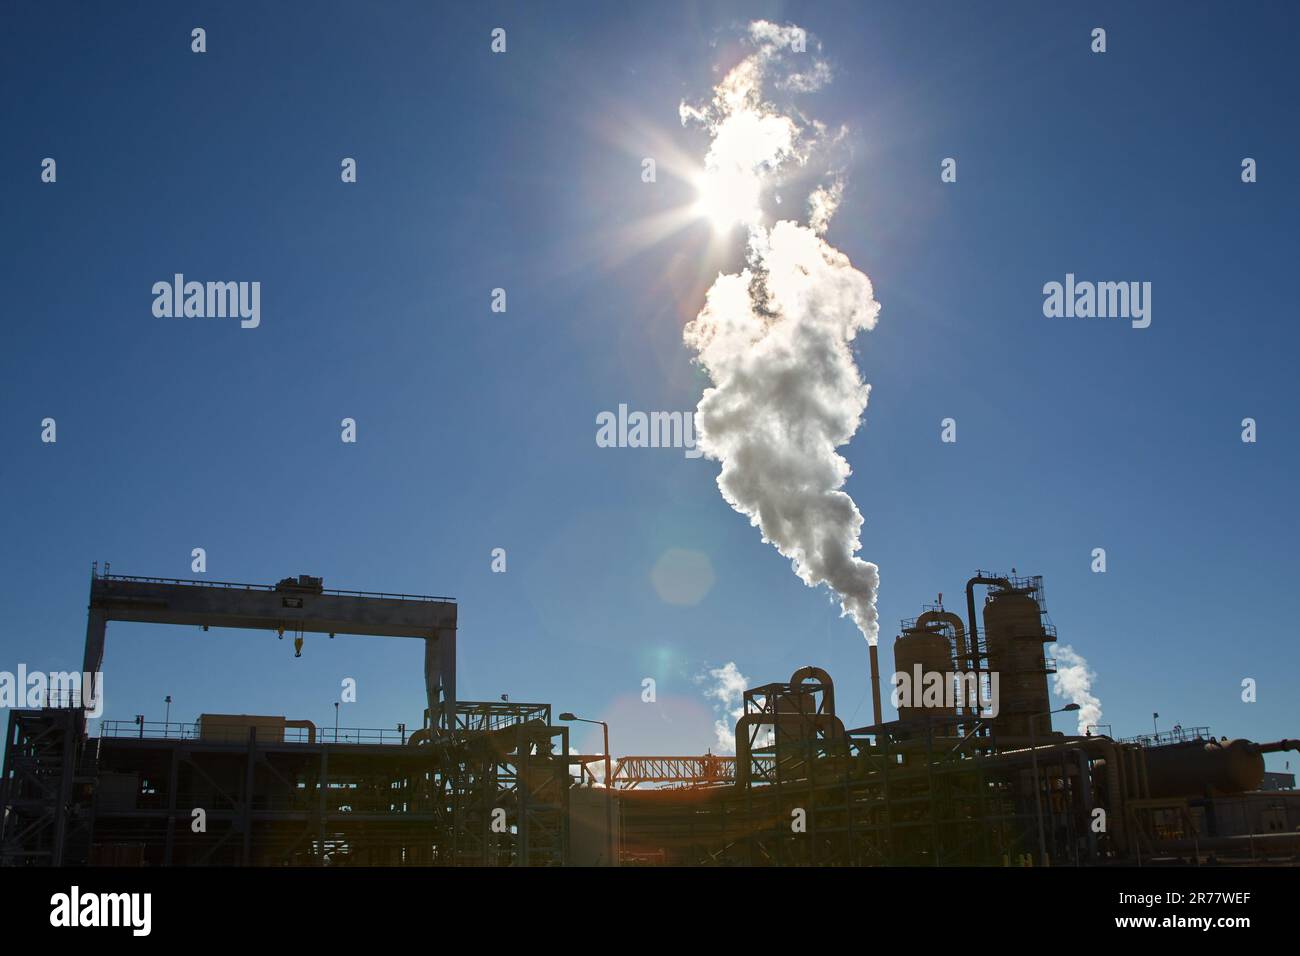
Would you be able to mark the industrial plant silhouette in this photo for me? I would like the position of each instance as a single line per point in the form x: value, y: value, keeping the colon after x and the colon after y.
x: 976, y: 778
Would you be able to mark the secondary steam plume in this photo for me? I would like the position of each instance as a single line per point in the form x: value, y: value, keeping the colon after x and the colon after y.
x: 1074, y: 680
x: 727, y: 686
x: 775, y: 338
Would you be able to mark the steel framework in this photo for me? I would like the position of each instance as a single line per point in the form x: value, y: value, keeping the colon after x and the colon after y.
x: 481, y: 783
x: 632, y: 772
x: 495, y: 796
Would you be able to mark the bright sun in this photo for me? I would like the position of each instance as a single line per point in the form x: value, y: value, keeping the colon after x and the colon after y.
x: 726, y: 199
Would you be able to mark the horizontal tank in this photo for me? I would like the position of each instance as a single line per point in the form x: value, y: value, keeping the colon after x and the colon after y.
x: 1204, y: 766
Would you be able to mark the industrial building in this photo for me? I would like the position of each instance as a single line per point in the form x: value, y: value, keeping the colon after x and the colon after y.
x: 974, y: 776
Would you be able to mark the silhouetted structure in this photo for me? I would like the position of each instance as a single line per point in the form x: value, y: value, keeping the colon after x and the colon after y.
x: 950, y: 782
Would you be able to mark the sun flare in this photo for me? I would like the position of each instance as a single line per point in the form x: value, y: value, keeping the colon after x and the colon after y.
x: 727, y: 198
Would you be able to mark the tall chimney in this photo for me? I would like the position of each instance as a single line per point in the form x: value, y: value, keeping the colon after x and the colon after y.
x: 875, y: 684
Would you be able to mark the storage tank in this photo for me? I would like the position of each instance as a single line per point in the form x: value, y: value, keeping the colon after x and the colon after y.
x: 235, y: 728
x: 1204, y: 766
x: 1014, y: 635
x: 920, y: 651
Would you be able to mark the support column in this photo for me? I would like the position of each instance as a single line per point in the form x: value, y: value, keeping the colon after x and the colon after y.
x: 93, y: 659
x: 249, y: 782
x: 66, y: 772
x: 440, y: 679
x: 173, y: 781
x: 322, y: 791
x: 447, y: 645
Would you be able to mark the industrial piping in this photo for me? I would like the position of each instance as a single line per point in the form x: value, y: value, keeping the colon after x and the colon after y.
x: 959, y: 630
x: 970, y: 614
x: 804, y: 674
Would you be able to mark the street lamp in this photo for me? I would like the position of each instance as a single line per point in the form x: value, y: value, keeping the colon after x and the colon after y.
x: 168, y: 716
x: 609, y: 782
x: 1038, y: 801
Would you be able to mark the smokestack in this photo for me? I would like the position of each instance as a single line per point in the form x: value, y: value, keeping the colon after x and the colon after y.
x: 875, y: 684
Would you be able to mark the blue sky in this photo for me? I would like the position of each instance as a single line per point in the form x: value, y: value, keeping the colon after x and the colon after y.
x: 476, y: 429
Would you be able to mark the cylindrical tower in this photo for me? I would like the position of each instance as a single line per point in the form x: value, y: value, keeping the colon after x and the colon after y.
x: 1014, y: 635
x: 923, y: 661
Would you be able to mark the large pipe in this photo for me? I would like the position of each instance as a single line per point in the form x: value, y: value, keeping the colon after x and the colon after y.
x: 804, y: 674
x: 1119, y: 787
x: 743, y: 767
x: 948, y: 617
x: 970, y: 615
x: 1085, y: 793
x: 875, y: 685
x: 1277, y: 746
x: 959, y: 629
x: 1115, y: 808
x: 1261, y: 844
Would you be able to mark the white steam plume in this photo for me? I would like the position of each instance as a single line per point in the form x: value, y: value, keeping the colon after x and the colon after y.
x: 776, y: 337
x: 1073, y: 680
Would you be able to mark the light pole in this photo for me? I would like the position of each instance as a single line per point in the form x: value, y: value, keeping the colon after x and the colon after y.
x: 168, y: 716
x: 609, y: 783
x: 1038, y: 802
x: 336, y: 721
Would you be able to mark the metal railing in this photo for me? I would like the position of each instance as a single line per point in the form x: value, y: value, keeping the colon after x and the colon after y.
x: 63, y: 699
x: 472, y: 716
x: 162, y: 730
x: 150, y: 728
x: 1179, y: 735
x: 274, y: 588
x: 349, y: 735
x: 487, y: 715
